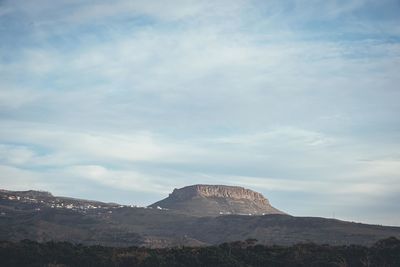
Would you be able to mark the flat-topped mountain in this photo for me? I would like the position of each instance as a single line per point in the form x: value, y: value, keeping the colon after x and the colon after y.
x: 212, y: 200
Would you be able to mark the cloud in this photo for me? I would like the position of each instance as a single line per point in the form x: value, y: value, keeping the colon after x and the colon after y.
x: 13, y: 98
x: 120, y: 179
x: 288, y: 135
x: 300, y: 152
x: 323, y: 10
x: 14, y: 178
x: 64, y: 146
x: 174, y: 10
x: 45, y: 12
x: 15, y: 155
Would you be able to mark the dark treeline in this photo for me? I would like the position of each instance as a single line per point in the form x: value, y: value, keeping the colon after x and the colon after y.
x: 247, y: 253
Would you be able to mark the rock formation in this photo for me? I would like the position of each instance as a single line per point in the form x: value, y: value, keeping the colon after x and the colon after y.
x: 217, y: 200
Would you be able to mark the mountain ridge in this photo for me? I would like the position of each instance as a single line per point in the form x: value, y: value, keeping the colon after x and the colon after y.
x: 44, y: 218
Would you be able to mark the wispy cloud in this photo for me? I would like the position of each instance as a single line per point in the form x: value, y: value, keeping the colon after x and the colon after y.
x: 120, y: 179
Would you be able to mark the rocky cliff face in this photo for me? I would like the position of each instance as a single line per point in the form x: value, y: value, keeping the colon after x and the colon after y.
x: 217, y: 200
x: 220, y: 191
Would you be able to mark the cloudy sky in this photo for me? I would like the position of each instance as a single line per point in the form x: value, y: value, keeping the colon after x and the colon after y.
x: 123, y: 101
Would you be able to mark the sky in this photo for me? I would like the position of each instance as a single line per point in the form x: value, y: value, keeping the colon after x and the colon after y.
x: 124, y: 101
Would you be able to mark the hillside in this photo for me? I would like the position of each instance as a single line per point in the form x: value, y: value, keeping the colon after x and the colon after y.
x: 42, y: 217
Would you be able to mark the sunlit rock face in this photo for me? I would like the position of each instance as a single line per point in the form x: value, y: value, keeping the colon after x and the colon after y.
x: 209, y: 200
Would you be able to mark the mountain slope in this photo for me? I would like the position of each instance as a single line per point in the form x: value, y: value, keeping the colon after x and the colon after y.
x: 42, y: 217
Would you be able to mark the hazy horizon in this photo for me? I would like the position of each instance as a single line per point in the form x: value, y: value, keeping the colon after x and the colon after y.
x: 123, y: 102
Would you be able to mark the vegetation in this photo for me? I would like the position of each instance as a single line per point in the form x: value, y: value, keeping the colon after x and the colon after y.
x: 247, y: 253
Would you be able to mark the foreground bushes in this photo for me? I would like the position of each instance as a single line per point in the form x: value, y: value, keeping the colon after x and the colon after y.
x: 247, y: 253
